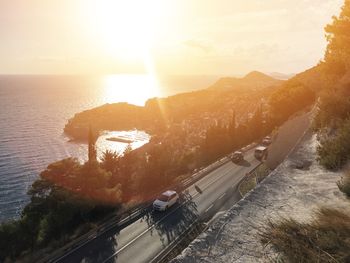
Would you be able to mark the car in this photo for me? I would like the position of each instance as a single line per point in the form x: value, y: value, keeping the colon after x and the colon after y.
x: 260, y: 152
x: 266, y: 141
x: 165, y: 200
x: 237, y: 157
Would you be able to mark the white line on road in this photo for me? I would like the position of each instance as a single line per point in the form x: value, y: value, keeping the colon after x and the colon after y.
x: 156, y: 223
x: 206, y: 210
x: 221, y: 196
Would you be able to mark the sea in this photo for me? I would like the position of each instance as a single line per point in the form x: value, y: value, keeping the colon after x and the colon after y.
x: 34, y: 110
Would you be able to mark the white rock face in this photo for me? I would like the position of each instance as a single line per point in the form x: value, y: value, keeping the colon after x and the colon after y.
x: 295, y: 189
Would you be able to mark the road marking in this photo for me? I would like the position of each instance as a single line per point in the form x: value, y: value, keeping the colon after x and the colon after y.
x: 206, y: 210
x: 168, y: 214
x: 221, y: 196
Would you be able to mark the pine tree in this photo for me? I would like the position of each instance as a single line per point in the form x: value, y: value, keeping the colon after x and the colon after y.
x: 256, y: 124
x: 91, y: 146
x: 232, y: 129
x: 232, y: 126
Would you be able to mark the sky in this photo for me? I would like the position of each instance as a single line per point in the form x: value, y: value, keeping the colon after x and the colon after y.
x: 214, y: 37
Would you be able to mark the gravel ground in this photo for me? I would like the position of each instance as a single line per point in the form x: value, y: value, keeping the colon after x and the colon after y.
x: 295, y: 189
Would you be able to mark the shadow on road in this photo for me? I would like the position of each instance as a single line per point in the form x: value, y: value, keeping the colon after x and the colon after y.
x: 198, y: 189
x: 244, y: 163
x: 172, y: 223
x: 97, y: 250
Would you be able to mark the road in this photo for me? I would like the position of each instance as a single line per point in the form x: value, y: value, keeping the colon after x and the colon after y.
x: 146, y: 237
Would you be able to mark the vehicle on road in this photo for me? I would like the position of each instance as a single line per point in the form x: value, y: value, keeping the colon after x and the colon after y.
x: 237, y: 157
x: 266, y: 141
x: 260, y: 153
x: 165, y: 200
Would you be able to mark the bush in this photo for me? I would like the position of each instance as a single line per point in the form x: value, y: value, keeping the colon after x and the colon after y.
x: 326, y: 239
x: 333, y: 108
x: 66, y: 196
x: 333, y: 152
x: 344, y: 184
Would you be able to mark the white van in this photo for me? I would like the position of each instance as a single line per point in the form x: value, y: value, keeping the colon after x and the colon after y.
x: 260, y: 152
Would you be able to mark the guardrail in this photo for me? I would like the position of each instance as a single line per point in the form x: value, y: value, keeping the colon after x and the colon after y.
x: 106, y: 224
x: 117, y: 219
x: 161, y: 256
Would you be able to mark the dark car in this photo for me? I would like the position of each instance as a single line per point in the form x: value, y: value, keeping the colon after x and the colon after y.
x: 237, y: 157
x: 261, y: 153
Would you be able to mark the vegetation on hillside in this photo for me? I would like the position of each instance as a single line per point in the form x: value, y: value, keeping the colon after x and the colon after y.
x: 334, y: 151
x: 56, y: 212
x: 332, y: 119
x: 333, y: 109
x: 290, y: 98
x: 325, y: 239
x: 241, y: 95
x: 337, y: 57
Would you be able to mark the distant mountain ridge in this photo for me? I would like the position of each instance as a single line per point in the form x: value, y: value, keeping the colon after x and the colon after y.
x: 251, y: 81
x: 282, y: 76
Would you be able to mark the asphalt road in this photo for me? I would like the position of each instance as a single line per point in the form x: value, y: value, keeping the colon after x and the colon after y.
x: 146, y: 237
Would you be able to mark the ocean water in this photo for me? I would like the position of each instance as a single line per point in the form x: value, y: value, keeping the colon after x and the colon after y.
x: 34, y: 110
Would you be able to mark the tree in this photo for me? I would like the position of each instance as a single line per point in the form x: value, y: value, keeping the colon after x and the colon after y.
x: 256, y: 124
x: 232, y: 130
x: 110, y: 161
x: 290, y: 98
x: 91, y: 145
x: 337, y: 56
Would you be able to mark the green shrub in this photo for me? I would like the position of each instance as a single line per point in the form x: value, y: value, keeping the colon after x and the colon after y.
x: 333, y: 152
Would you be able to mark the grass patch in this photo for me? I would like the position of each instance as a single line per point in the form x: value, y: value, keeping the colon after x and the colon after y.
x: 248, y: 184
x: 325, y: 239
x: 251, y: 181
x: 262, y: 172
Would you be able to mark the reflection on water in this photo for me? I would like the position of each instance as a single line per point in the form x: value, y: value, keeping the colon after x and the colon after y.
x: 117, y: 141
x: 134, y: 89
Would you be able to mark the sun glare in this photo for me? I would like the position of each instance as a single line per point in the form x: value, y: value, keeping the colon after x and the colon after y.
x: 134, y: 89
x: 125, y: 29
